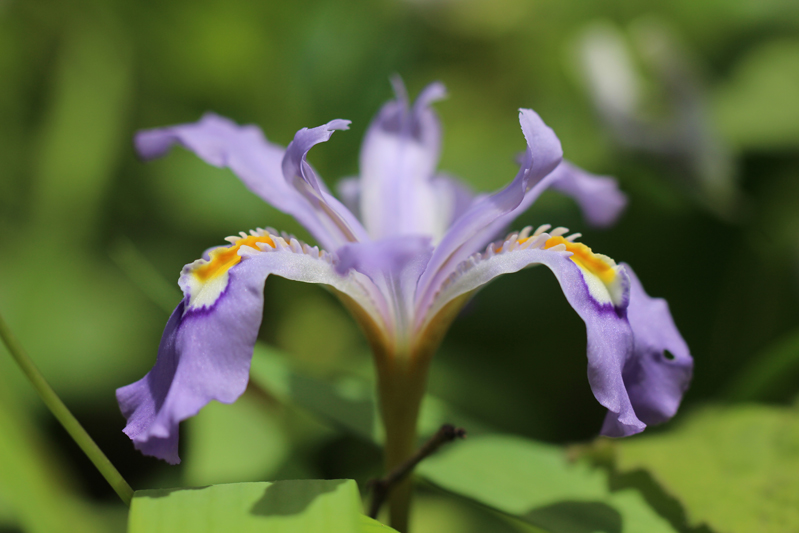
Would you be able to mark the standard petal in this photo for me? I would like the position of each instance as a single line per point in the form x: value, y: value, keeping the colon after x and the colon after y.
x: 256, y: 161
x: 599, y: 197
x: 399, y: 156
x: 463, y: 238
x: 207, y: 345
x: 597, y: 289
x: 394, y: 264
x: 660, y: 370
x: 301, y: 176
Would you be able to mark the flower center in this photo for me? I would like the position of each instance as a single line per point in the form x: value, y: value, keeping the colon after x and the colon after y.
x: 585, y: 258
x: 224, y: 258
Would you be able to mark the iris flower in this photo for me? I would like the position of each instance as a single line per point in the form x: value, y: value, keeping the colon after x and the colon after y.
x: 404, y: 248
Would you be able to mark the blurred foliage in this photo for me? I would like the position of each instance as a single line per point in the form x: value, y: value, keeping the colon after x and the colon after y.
x: 90, y: 233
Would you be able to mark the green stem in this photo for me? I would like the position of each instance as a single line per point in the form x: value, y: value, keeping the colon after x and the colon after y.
x: 66, y: 418
x: 401, y: 385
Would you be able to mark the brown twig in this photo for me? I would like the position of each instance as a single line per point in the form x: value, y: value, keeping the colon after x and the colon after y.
x: 382, y: 487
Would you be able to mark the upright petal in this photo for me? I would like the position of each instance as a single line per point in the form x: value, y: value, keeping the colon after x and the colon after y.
x: 256, y: 161
x: 660, y: 370
x: 208, y: 342
x: 625, y: 356
x: 300, y: 175
x: 599, y: 197
x: 398, y: 161
x: 394, y: 264
x: 543, y: 154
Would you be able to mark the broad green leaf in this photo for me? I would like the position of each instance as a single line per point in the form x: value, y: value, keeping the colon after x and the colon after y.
x: 302, y: 506
x: 33, y: 490
x: 244, y: 441
x: 370, y: 525
x: 536, y: 483
x: 733, y: 468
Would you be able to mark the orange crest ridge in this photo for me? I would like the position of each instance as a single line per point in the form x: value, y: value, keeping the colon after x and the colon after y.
x: 599, y: 265
x: 224, y: 258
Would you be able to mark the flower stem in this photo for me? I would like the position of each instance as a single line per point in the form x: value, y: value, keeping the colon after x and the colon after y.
x: 401, y: 386
x: 66, y: 418
x: 382, y: 487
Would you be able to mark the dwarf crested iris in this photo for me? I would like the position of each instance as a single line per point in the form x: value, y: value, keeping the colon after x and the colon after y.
x: 404, y: 247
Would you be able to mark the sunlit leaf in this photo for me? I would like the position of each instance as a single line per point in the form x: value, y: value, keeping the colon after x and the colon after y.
x: 537, y: 483
x: 370, y: 525
x: 231, y: 443
x: 733, y: 468
x: 332, y: 506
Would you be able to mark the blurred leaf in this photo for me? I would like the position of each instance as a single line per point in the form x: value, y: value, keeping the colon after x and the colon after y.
x: 370, y: 525
x: 32, y: 485
x: 771, y: 375
x: 348, y: 402
x: 281, y: 507
x: 733, y: 468
x: 84, y: 129
x: 536, y: 482
x: 757, y: 108
x: 229, y: 443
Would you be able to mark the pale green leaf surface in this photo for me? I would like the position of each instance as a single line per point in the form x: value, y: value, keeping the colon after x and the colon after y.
x: 537, y: 483
x: 302, y: 506
x: 735, y: 469
x: 370, y: 525
x: 243, y: 441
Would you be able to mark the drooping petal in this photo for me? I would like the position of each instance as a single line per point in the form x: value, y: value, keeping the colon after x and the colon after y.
x: 543, y: 154
x: 658, y: 373
x: 299, y: 174
x: 599, y: 197
x: 256, y: 161
x: 394, y: 264
x: 207, y: 345
x: 600, y: 292
x: 398, y: 161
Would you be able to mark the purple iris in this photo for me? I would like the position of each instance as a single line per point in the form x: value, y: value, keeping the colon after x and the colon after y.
x: 404, y: 248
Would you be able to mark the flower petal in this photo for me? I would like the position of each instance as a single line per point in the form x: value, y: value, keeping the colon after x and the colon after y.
x: 543, y: 154
x: 394, y: 264
x: 622, y: 353
x: 599, y: 197
x: 661, y: 367
x: 256, y: 161
x: 398, y: 161
x: 302, y: 177
x: 207, y: 345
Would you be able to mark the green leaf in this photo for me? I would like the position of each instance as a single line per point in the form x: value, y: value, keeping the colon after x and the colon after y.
x: 243, y: 441
x: 771, y: 375
x: 332, y: 506
x: 537, y: 483
x: 733, y: 468
x: 370, y: 525
x: 33, y: 490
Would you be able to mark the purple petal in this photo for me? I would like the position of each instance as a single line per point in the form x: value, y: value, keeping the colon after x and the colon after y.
x: 394, y: 264
x: 207, y: 345
x: 627, y: 331
x: 660, y: 370
x: 398, y: 161
x: 543, y: 154
x: 256, y: 161
x: 599, y: 197
x: 301, y: 176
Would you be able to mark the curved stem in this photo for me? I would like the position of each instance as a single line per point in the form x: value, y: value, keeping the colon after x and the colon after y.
x: 60, y: 411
